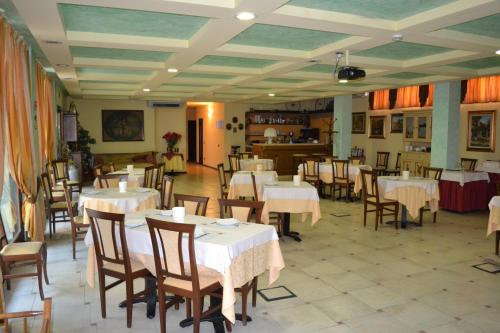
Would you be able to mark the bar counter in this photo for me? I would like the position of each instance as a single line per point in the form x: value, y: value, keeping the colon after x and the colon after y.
x: 285, y: 152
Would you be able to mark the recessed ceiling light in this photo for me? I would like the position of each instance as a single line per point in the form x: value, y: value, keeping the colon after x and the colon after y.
x: 397, y: 37
x: 343, y: 81
x: 146, y: 90
x: 498, y: 52
x: 172, y: 70
x: 53, y: 42
x: 245, y: 16
x: 62, y: 65
x: 271, y: 95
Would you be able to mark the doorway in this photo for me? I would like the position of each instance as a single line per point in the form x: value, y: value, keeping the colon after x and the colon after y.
x: 200, y: 141
x: 191, y: 140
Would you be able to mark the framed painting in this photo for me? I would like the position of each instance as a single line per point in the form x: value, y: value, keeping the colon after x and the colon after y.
x: 358, y: 122
x: 377, y: 127
x: 481, y: 131
x: 122, y: 125
x: 397, y: 123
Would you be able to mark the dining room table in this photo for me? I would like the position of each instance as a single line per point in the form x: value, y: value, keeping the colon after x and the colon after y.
x: 412, y: 193
x: 235, y: 252
x: 289, y: 198
x: 326, y: 173
x: 464, y: 191
x: 113, y: 201
x: 494, y: 221
x: 252, y: 164
x: 241, y: 184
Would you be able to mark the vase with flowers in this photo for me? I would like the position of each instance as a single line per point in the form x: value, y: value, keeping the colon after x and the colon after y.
x: 171, y: 138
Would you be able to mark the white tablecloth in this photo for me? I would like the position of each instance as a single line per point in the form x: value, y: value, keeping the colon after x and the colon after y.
x: 111, y: 200
x: 219, y: 250
x: 494, y: 218
x: 463, y: 177
x: 250, y: 164
x: 284, y: 197
x: 241, y: 183
x: 488, y: 169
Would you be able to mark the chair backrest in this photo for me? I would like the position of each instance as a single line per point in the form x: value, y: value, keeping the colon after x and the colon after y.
x: 69, y: 204
x: 310, y: 166
x: 276, y: 159
x: 111, y: 166
x: 221, y: 173
x: 357, y: 160
x: 241, y: 209
x: 382, y: 159
x: 469, y: 164
x: 168, y: 251
x: 234, y: 162
x: 434, y: 173
x: 47, y: 188
x: 60, y: 169
x: 340, y: 169
x: 111, y: 180
x: 160, y: 171
x: 195, y: 205
x: 149, y: 177
x: 245, y: 155
x: 98, y: 170
x: 369, y: 184
x: 110, y: 242
x: 328, y: 159
x: 166, y: 192
x: 357, y: 152
x: 398, y: 162
x: 255, y: 191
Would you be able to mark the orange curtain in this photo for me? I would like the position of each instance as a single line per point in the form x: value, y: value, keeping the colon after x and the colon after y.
x: 407, y: 97
x: 44, y: 117
x: 2, y: 111
x: 483, y: 90
x: 16, y: 111
x: 430, y: 97
x: 381, y: 99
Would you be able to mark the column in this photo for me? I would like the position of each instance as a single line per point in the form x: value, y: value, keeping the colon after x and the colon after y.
x: 445, y: 144
x: 342, y: 112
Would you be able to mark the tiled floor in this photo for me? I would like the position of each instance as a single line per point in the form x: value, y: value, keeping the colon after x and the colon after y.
x: 347, y: 278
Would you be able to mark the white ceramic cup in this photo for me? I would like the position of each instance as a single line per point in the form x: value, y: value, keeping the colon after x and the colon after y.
x: 130, y: 168
x: 255, y: 157
x: 122, y: 186
x: 296, y: 180
x: 178, y: 212
x: 406, y: 174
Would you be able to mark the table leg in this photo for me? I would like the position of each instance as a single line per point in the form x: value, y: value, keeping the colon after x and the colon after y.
x: 216, y: 318
x: 286, y: 228
x: 403, y: 217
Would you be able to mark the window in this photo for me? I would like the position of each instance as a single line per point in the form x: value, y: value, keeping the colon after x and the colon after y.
x: 9, y: 204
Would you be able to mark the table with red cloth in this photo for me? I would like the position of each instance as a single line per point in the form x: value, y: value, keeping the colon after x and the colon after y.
x: 464, y: 191
x: 494, y: 174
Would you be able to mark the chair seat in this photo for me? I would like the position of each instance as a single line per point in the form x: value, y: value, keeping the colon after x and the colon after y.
x: 381, y: 200
x: 134, y: 265
x: 343, y: 181
x: 69, y: 182
x: 26, y: 248
x: 206, y: 280
x: 61, y: 205
x: 58, y: 189
x: 78, y: 220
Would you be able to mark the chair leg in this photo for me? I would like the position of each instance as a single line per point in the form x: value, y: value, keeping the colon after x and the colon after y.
x: 497, y: 245
x: 188, y: 307
x: 364, y: 213
x: 102, y: 292
x: 421, y: 211
x: 376, y: 218
x: 396, y: 213
x: 197, y: 315
x: 163, y: 311
x: 129, y: 286
x: 254, y: 292
x: 434, y: 216
x: 39, y: 269
x: 244, y: 296
x: 73, y: 241
x: 44, y: 257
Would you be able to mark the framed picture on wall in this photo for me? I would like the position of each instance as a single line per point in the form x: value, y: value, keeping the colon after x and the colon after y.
x: 377, y: 127
x: 122, y: 125
x: 358, y: 123
x: 397, y: 123
x: 481, y: 131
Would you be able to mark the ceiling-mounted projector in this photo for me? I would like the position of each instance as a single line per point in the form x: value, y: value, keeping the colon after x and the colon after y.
x: 350, y: 73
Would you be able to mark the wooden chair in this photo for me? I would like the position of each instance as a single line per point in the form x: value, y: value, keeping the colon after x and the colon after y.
x: 297, y: 159
x: 372, y: 197
x: 166, y: 192
x: 276, y: 159
x: 78, y: 228
x: 340, y: 170
x: 53, y: 207
x: 224, y: 188
x: 245, y: 156
x: 328, y: 159
x: 46, y: 315
x: 111, y: 180
x: 149, y: 177
x: 59, y: 168
x: 174, y: 276
x: 433, y: 173
x: 234, y: 163
x: 22, y: 252
x: 469, y: 164
x: 242, y: 210
x: 397, y: 168
x: 357, y: 160
x: 195, y: 205
x: 111, y: 167
x: 97, y: 171
x: 382, y: 161
x: 310, y: 170
x: 160, y: 171
x: 111, y: 250
x: 274, y: 218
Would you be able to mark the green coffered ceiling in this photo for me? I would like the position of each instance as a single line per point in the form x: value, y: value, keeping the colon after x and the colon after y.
x: 124, y: 49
